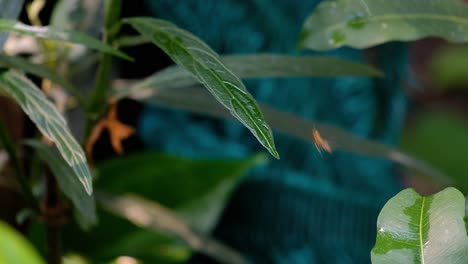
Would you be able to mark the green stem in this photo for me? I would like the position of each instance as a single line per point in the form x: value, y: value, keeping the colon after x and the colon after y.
x: 98, y: 96
x: 21, y: 177
x: 53, y: 215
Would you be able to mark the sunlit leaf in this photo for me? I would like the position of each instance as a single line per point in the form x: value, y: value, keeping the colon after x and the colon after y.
x: 256, y: 66
x: 68, y: 183
x: 49, y: 121
x: 204, y: 64
x: 197, y: 100
x: 52, y: 33
x: 365, y: 23
x: 14, y: 248
x: 418, y: 229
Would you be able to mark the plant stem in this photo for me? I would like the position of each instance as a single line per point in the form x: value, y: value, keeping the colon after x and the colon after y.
x: 21, y: 177
x: 98, y: 96
x: 53, y: 216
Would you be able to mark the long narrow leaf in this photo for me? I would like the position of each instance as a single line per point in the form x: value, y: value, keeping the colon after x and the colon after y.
x: 197, y: 100
x: 53, y: 33
x: 257, y: 66
x: 68, y: 183
x: 38, y: 70
x: 364, y: 23
x: 204, y: 64
x: 152, y: 215
x: 49, y: 121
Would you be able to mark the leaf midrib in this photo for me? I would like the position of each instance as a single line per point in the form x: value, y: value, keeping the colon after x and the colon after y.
x: 220, y: 81
x: 421, y: 243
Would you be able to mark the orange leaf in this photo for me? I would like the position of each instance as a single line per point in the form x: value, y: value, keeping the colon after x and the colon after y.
x: 118, y: 132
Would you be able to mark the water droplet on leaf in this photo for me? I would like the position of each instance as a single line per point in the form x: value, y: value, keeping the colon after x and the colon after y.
x: 357, y: 22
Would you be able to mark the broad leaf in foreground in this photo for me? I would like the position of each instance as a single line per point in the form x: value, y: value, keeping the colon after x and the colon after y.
x: 14, y: 248
x: 68, y: 183
x: 416, y: 229
x: 365, y: 23
x: 53, y: 33
x: 49, y: 121
x: 203, y: 63
x: 256, y: 66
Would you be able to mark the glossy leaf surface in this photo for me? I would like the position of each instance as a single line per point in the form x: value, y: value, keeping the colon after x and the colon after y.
x: 365, y: 23
x: 49, y: 121
x: 204, y: 64
x: 422, y: 230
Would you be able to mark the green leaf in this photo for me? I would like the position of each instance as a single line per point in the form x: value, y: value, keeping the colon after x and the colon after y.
x: 68, y: 183
x: 37, y: 70
x: 448, y: 67
x: 256, y: 66
x: 200, y: 60
x: 196, y: 188
x: 439, y: 138
x: 53, y: 33
x: 14, y: 248
x: 416, y: 229
x: 197, y: 100
x: 49, y: 121
x: 153, y: 216
x: 365, y: 23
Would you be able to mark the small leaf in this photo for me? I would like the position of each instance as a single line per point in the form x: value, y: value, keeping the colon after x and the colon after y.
x: 256, y: 66
x: 53, y: 33
x: 200, y: 60
x: 365, y: 23
x: 68, y: 183
x: 49, y: 121
x: 14, y: 248
x: 415, y: 229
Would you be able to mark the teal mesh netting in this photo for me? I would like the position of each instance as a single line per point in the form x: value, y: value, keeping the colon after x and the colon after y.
x: 306, y: 207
